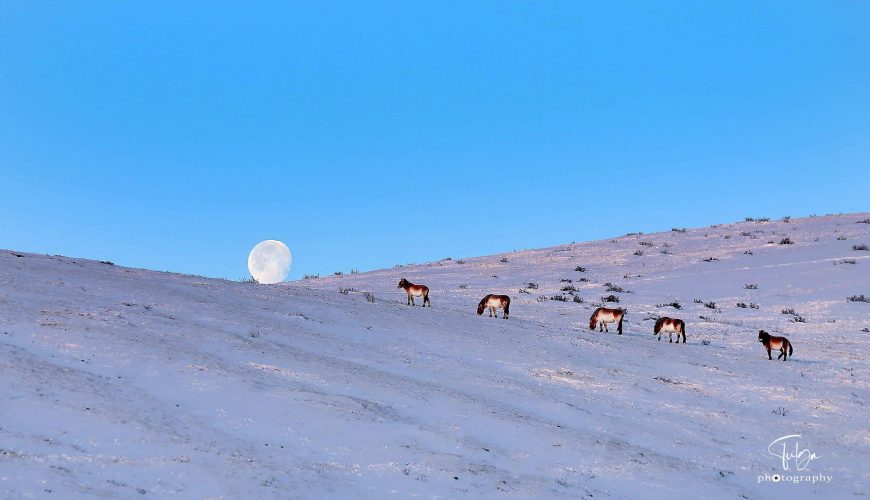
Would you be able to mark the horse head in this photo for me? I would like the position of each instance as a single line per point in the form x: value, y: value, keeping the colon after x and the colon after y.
x: 482, y: 305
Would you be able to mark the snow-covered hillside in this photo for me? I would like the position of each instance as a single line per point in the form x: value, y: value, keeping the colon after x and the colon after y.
x: 126, y: 382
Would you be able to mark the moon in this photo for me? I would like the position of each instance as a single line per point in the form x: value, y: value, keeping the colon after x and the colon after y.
x: 270, y: 262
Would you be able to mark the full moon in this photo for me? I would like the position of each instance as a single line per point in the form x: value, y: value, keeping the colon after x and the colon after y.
x: 270, y: 261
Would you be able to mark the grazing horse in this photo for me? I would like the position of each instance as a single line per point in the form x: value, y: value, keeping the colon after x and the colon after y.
x: 671, y: 326
x: 493, y: 302
x: 415, y: 291
x: 780, y: 343
x: 603, y: 315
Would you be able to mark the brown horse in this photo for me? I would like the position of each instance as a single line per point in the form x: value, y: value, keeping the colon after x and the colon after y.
x: 671, y: 326
x: 415, y: 291
x: 779, y: 343
x: 493, y: 302
x: 603, y: 315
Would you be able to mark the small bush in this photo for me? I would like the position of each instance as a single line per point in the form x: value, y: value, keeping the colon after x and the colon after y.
x: 786, y: 219
x: 338, y: 273
x: 311, y: 276
x: 580, y: 269
x: 708, y: 319
x: 583, y: 280
x: 645, y: 243
x: 675, y: 305
x: 705, y: 342
x: 710, y: 305
x: 865, y: 330
x: 790, y: 310
x: 780, y: 411
x: 710, y: 259
x: 569, y: 288
x: 845, y: 261
x: 858, y: 298
x: 860, y: 247
x: 751, y: 286
x: 463, y: 286
x: 753, y: 305
x: 503, y: 260
x: 863, y: 221
x: 841, y: 238
x: 249, y: 279
x: 610, y: 298
x: 345, y: 291
x: 748, y: 252
x: 354, y: 271
x: 697, y: 301
x: 559, y: 298
x: 542, y: 299
x: 786, y: 241
x: 798, y: 319
x: 678, y: 229
x: 578, y: 299
x: 742, y: 305
x: 638, y: 252
x: 460, y: 261
x: 370, y: 297
x: 613, y: 288
x: 107, y: 262
x: 254, y: 333
x: 532, y: 286
x: 565, y: 280
x: 523, y: 290
x: 745, y: 233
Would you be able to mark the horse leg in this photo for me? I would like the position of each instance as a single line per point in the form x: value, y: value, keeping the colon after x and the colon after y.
x: 412, y: 300
x: 671, y: 337
x: 768, y: 354
x: 660, y: 336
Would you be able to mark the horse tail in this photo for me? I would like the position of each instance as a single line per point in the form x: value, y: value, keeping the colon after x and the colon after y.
x: 790, y: 349
x: 683, y: 328
x: 619, y: 328
x: 507, y: 307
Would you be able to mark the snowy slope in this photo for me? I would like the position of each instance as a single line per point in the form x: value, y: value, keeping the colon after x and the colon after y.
x: 125, y: 382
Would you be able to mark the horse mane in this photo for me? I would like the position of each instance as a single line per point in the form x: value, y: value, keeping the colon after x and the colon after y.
x: 659, y: 323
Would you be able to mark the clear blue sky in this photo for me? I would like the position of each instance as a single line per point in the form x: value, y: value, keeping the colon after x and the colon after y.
x: 177, y: 135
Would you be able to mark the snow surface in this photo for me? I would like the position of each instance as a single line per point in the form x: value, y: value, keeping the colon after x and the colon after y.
x: 132, y: 383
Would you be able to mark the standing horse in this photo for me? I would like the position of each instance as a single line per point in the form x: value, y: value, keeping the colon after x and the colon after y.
x: 493, y: 302
x: 415, y: 291
x: 603, y: 315
x: 671, y: 326
x: 779, y: 343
